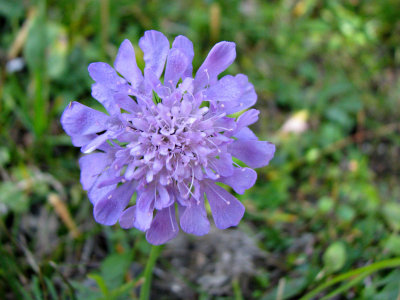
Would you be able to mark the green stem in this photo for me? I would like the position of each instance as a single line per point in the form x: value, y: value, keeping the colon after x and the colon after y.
x: 148, y: 272
x: 237, y: 290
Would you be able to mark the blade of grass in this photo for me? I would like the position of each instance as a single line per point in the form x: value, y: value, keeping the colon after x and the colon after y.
x: 40, y: 101
x: 389, y: 263
x: 346, y: 286
x: 105, y: 24
x: 35, y: 55
x: 64, y: 279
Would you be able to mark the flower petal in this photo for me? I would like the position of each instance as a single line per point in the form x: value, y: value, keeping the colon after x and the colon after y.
x: 78, y: 119
x: 241, y: 179
x: 246, y: 134
x: 227, y: 211
x: 155, y: 47
x: 177, y: 64
x: 82, y: 140
x: 164, y: 199
x: 220, y: 57
x: 105, y: 96
x: 164, y: 227
x: 154, y: 84
x: 91, y: 166
x: 97, y: 193
x: 226, y: 89
x: 127, y: 218
x: 186, y: 46
x: 125, y: 64
x: 247, y: 118
x: 194, y: 219
x: 125, y: 102
x: 104, y: 74
x: 223, y: 166
x: 247, y: 98
x: 96, y: 143
x: 144, y: 208
x: 108, y: 210
x: 255, y: 154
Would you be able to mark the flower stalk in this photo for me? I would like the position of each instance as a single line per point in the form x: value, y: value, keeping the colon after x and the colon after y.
x: 148, y: 272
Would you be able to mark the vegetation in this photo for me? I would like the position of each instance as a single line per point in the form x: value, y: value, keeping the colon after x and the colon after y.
x: 322, y: 222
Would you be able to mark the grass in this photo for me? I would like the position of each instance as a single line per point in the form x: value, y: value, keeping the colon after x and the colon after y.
x: 325, y: 214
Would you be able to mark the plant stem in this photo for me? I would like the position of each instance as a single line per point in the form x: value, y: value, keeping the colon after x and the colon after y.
x: 148, y: 272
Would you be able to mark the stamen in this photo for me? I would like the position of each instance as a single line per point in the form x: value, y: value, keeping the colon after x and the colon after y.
x: 170, y: 218
x: 237, y: 165
x: 208, y: 77
x: 189, y: 191
x: 191, y: 184
x: 226, y: 201
x: 219, y: 151
x: 191, y: 95
x: 223, y: 128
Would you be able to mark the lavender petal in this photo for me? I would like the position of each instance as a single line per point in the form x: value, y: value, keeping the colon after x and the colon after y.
x: 255, y: 154
x: 125, y: 64
x: 164, y: 227
x: 108, y: 210
x: 227, y: 211
x: 155, y: 48
x: 220, y: 57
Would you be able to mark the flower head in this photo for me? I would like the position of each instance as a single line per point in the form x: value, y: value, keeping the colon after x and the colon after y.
x: 169, y: 141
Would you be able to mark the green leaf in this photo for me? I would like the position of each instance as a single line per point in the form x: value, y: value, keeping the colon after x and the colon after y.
x: 391, y: 213
x: 346, y: 213
x: 101, y: 283
x: 289, y: 288
x: 325, y: 204
x: 11, y: 9
x: 123, y: 289
x: 56, y: 61
x: 4, y: 156
x: 392, y: 244
x: 114, y: 268
x: 334, y: 257
x: 390, y: 284
x: 13, y: 198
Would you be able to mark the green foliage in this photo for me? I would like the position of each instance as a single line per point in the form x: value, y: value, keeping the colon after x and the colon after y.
x: 334, y: 257
x: 326, y: 211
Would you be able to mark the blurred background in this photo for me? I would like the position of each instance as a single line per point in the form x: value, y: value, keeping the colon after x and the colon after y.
x: 327, y: 75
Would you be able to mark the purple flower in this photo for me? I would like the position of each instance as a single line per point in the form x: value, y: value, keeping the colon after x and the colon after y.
x: 170, y: 141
